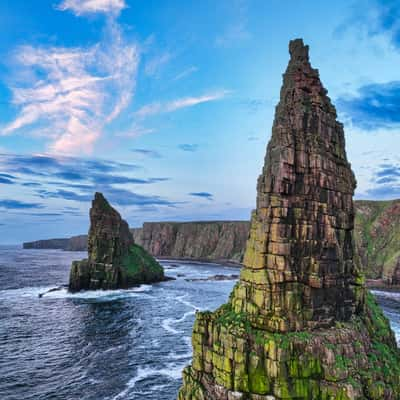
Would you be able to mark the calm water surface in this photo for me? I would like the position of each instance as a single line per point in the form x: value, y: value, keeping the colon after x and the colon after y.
x: 103, y: 345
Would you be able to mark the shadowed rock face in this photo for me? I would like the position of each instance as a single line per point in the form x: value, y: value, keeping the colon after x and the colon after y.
x: 109, y: 235
x: 299, y: 324
x: 114, y: 261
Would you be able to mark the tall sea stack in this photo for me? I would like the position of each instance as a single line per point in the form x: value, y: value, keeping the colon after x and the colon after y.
x: 115, y: 261
x: 299, y: 324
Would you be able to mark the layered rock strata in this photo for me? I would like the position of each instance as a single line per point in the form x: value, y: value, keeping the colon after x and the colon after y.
x: 114, y: 261
x: 208, y: 240
x: 299, y: 324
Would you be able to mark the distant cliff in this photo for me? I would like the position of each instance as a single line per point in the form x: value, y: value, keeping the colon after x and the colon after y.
x: 377, y: 233
x: 214, y: 240
x: 74, y: 243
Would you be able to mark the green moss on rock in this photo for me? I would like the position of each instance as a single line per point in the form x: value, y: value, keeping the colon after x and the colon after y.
x: 342, y: 363
x: 140, y: 267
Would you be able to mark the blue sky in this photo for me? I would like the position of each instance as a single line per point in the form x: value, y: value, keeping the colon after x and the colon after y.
x: 167, y: 106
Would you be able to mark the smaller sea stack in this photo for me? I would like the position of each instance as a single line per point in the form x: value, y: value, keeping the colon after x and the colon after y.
x: 115, y: 261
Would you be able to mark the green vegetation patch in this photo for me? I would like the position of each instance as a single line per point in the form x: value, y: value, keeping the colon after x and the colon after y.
x: 140, y: 266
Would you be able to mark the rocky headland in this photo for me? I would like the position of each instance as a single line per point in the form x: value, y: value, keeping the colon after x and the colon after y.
x: 74, y: 243
x: 114, y: 261
x: 300, y: 323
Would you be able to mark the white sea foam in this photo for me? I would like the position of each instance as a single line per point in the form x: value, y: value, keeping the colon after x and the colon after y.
x: 171, y: 371
x: 167, y: 322
x: 390, y: 295
x: 176, y: 356
x: 101, y: 295
x: 62, y: 293
x: 181, y: 299
x: 23, y: 292
x: 188, y: 341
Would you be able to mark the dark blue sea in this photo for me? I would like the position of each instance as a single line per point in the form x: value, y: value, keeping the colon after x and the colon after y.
x: 103, y: 345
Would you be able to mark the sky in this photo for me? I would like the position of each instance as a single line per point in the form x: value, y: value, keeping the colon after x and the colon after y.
x: 167, y: 106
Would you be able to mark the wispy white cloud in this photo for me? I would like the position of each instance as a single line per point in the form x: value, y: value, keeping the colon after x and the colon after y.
x: 233, y: 34
x: 81, y: 7
x: 149, y: 109
x: 72, y: 93
x: 185, y: 73
x: 154, y: 65
x: 192, y: 101
x: 158, y: 108
x: 236, y: 30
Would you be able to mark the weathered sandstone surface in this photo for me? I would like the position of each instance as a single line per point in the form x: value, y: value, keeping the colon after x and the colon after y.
x: 299, y: 324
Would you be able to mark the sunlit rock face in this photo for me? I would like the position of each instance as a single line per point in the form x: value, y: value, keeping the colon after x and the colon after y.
x: 114, y: 261
x: 299, y: 324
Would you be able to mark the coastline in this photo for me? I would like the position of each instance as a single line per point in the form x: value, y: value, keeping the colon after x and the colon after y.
x: 228, y: 263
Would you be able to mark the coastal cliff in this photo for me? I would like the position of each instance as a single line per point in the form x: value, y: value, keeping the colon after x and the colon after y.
x: 114, y: 261
x: 74, y: 243
x: 377, y: 239
x: 299, y: 324
x: 213, y: 240
x: 377, y: 230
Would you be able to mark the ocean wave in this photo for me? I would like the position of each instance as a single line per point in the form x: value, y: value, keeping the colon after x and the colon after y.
x: 176, y: 356
x: 171, y: 371
x: 181, y: 299
x: 168, y: 322
x: 389, y: 295
x: 100, y: 295
x: 63, y: 293
x: 24, y: 292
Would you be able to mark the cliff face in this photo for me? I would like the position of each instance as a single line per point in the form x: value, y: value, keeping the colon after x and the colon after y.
x: 77, y: 243
x: 115, y: 261
x: 299, y: 324
x: 74, y: 243
x: 224, y: 241
x: 377, y: 232
x: 47, y: 244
